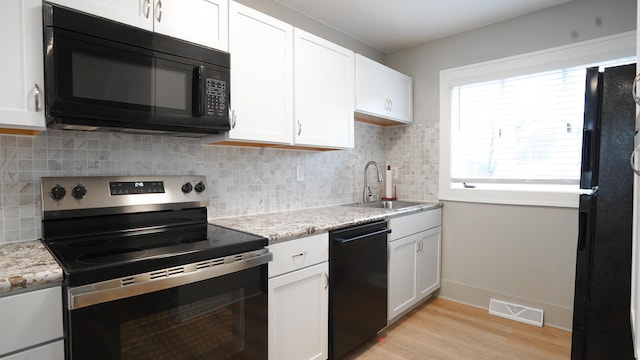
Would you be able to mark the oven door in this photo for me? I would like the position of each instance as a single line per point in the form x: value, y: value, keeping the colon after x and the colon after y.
x: 221, y: 317
x: 97, y: 83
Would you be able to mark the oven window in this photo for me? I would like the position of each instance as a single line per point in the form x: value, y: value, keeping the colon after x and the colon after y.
x: 208, y: 328
x: 220, y: 318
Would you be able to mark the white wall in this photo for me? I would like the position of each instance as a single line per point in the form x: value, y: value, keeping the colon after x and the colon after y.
x: 516, y: 253
x: 286, y: 14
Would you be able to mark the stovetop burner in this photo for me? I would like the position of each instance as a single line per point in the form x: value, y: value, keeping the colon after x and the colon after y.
x: 111, y: 256
x: 107, y: 234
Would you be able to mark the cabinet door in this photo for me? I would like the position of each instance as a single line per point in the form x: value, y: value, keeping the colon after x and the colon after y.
x: 398, y: 88
x: 30, y: 318
x: 370, y: 94
x: 323, y: 92
x: 262, y: 76
x: 21, y: 69
x: 402, y: 275
x: 204, y: 22
x: 51, y: 351
x: 298, y: 314
x: 428, y: 261
x: 138, y: 13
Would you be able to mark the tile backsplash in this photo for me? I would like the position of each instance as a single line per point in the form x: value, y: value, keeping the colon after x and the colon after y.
x: 242, y: 180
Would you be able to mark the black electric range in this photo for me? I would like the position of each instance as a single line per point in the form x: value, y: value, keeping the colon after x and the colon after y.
x: 101, y: 228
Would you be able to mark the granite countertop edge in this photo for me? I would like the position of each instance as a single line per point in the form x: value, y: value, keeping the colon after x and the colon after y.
x: 288, y: 225
x: 26, y: 265
x: 29, y: 265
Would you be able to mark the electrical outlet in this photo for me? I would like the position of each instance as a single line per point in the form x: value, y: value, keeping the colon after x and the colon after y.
x: 395, y: 172
x: 299, y: 172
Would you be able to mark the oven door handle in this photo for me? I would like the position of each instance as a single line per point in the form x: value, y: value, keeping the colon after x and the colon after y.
x: 125, y: 287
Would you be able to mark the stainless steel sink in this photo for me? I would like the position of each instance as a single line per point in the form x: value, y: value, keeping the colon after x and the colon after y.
x: 387, y: 204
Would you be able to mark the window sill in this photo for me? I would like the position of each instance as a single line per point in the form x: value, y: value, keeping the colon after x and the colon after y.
x: 515, y: 194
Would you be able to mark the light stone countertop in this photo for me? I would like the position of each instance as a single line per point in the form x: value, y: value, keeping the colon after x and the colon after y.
x: 27, y: 264
x: 287, y: 225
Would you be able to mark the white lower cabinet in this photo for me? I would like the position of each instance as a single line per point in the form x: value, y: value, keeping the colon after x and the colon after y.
x: 51, y: 351
x: 31, y: 325
x: 299, y: 299
x: 414, y: 260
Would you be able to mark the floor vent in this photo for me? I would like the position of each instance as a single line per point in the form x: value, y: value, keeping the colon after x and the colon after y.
x: 525, y: 314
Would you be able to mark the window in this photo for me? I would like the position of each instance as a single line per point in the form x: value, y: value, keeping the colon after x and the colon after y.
x: 511, y: 130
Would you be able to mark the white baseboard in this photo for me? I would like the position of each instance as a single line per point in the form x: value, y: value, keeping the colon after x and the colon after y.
x: 557, y: 316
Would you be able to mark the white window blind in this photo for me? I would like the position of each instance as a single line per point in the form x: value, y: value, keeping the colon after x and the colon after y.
x: 511, y: 128
x: 524, y: 129
x: 521, y: 130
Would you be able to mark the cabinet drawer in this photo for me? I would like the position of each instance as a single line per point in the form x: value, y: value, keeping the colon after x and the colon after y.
x: 414, y: 223
x: 298, y: 254
x: 30, y: 318
x: 51, y: 351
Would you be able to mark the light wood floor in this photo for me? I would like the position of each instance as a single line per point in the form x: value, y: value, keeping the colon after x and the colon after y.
x: 442, y: 329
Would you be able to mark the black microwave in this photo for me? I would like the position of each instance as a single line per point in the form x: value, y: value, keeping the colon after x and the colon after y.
x: 104, y: 75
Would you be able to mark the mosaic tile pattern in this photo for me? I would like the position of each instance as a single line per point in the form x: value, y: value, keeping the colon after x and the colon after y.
x: 243, y: 180
x: 414, y: 151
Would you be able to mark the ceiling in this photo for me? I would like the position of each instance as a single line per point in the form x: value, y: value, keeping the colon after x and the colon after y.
x: 411, y: 22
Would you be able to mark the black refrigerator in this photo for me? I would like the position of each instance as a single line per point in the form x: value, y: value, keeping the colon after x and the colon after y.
x: 601, y: 309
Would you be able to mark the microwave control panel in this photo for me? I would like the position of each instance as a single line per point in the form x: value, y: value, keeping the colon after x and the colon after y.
x: 216, y: 97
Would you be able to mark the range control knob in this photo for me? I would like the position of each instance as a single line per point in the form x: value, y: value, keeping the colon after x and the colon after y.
x: 78, y: 192
x: 58, y: 192
x: 200, y: 187
x: 186, y: 188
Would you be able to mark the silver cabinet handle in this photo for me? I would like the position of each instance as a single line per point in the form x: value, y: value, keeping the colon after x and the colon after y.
x: 148, y: 8
x: 233, y: 119
x: 299, y: 254
x: 159, y: 10
x: 390, y: 105
x: 634, y: 91
x: 36, y: 97
x: 299, y: 128
x: 633, y: 160
x: 326, y: 281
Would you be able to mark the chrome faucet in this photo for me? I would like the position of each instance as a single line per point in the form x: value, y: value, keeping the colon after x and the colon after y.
x: 366, y: 192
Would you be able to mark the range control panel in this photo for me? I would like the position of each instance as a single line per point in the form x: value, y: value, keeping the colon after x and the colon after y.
x: 118, y: 194
x: 136, y: 187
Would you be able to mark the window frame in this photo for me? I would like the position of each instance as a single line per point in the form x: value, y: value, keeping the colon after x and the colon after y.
x: 586, y: 52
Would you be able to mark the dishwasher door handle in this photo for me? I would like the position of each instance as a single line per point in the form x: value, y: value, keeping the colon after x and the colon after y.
x: 347, y: 241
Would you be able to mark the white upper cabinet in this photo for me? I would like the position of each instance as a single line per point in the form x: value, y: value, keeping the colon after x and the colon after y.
x: 323, y: 92
x: 203, y: 22
x: 382, y: 92
x: 21, y: 68
x: 261, y: 77
x: 138, y: 13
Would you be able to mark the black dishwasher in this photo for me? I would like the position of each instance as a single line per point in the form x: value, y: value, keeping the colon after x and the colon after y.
x: 358, y: 285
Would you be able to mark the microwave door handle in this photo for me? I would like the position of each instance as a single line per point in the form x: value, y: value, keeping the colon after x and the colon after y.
x: 198, y: 91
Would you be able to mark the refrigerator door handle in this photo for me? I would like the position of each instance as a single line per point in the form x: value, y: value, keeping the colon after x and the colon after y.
x: 633, y: 160
x: 586, y: 150
x: 586, y: 220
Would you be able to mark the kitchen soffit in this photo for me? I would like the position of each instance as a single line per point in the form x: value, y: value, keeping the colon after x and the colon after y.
x: 391, y: 25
